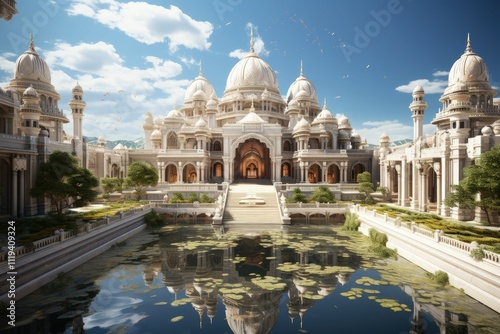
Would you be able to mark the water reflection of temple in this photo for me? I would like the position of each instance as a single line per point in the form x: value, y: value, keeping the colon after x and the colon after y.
x: 202, y: 271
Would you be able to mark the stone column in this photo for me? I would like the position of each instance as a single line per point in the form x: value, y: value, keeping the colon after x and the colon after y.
x: 21, y: 193
x: 277, y: 168
x: 416, y: 186
x: 400, y: 195
x: 226, y: 170
x: 179, y: 172
x: 14, y: 193
x: 198, y: 171
x: 437, y: 169
x: 158, y: 165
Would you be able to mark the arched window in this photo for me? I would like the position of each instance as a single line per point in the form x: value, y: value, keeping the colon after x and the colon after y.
x: 217, y: 146
x: 172, y: 142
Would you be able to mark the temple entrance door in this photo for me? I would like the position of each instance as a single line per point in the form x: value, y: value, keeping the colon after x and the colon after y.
x: 252, y: 171
x: 252, y: 160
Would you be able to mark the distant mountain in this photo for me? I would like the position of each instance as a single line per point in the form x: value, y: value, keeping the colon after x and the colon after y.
x: 134, y: 144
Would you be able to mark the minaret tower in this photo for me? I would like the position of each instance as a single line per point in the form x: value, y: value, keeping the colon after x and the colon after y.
x: 418, y: 107
x: 30, y: 112
x: 77, y: 106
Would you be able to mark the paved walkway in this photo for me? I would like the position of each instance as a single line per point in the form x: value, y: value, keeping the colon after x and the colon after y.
x: 251, y: 213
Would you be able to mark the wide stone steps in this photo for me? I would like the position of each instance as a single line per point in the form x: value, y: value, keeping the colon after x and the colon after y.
x: 254, y: 212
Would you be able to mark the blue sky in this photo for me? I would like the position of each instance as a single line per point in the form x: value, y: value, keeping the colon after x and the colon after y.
x: 364, y: 57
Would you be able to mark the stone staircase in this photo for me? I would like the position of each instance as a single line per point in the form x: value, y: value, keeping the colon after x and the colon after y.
x: 254, y: 212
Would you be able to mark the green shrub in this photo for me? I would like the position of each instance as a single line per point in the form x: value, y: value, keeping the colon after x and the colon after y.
x: 377, y: 237
x: 477, y: 254
x: 204, y: 198
x: 440, y: 277
x: 297, y: 196
x: 383, y: 251
x: 153, y: 219
x: 176, y: 198
x: 352, y: 221
x: 322, y: 195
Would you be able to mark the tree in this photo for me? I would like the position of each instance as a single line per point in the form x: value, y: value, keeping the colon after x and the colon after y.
x: 480, y: 186
x: 322, y: 195
x: 111, y: 184
x: 60, y: 179
x: 140, y: 175
x: 297, y: 197
x: 365, y: 186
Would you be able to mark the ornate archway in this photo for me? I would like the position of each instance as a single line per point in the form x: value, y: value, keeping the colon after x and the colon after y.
x: 252, y: 160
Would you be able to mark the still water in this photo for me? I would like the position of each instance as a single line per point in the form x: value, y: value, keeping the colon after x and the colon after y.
x: 312, y: 279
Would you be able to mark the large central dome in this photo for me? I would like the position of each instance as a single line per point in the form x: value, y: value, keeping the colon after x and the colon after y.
x: 251, y: 71
x: 469, y: 67
x: 31, y: 66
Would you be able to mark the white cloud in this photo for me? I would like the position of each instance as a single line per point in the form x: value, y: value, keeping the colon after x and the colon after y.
x: 84, y: 57
x: 430, y: 87
x: 259, y: 46
x: 440, y: 74
x: 148, y: 23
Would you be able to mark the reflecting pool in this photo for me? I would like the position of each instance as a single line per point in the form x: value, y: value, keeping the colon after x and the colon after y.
x: 313, y: 279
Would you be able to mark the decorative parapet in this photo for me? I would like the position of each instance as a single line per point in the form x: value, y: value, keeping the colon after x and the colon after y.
x: 61, y: 235
x: 436, y: 235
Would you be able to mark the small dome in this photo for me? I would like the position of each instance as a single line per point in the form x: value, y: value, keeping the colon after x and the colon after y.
x: 325, y: 116
x: 199, y: 95
x: 486, y: 131
x: 302, y: 95
x: 30, y: 91
x: 200, y: 84
x: 43, y: 133
x: 344, y: 123
x: 418, y: 90
x: 302, y: 125
x: 496, y: 127
x: 174, y: 113
x: 101, y: 140
x: 293, y: 104
x: 355, y: 137
x: 148, y: 119
x: 200, y: 124
x: 344, y: 135
x: 469, y: 67
x: 212, y: 104
x: 31, y: 66
x: 77, y: 88
x: 384, y: 138
x: 156, y: 135
x: 303, y: 86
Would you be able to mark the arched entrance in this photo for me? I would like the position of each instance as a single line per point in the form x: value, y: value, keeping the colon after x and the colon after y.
x: 171, y: 173
x: 252, y: 160
x: 314, y: 174
x: 356, y: 169
x: 333, y: 174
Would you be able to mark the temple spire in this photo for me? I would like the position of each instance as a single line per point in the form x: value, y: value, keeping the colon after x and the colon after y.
x: 251, y: 40
x: 201, y: 70
x: 324, y: 105
x: 468, y: 49
x: 301, y: 69
x: 32, y: 43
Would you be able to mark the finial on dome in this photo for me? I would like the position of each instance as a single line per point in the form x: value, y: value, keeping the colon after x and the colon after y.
x: 324, y: 105
x: 32, y: 43
x: 252, y: 108
x: 201, y: 70
x: 251, y: 40
x: 468, y: 49
x: 301, y: 69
